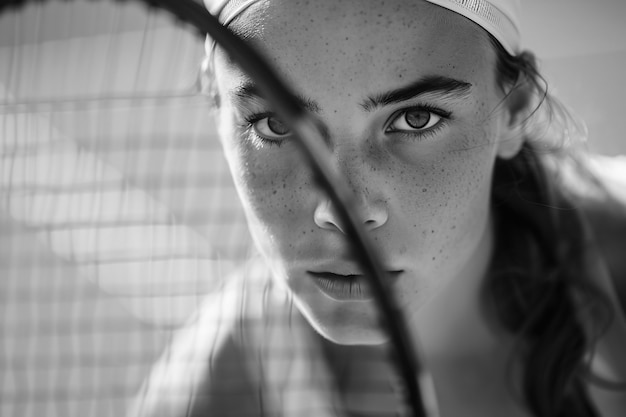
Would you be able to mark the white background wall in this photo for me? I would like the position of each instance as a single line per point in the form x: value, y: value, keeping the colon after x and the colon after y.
x: 582, y: 44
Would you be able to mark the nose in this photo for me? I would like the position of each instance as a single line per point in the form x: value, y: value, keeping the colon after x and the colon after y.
x: 372, y: 215
x: 368, y: 196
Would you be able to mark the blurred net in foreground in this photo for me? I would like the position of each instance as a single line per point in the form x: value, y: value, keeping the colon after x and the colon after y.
x: 116, y: 209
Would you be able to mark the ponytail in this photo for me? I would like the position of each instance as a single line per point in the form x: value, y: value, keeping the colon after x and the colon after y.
x: 535, y: 274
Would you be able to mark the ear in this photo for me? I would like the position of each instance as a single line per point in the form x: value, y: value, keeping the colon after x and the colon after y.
x: 517, y: 107
x: 208, y: 84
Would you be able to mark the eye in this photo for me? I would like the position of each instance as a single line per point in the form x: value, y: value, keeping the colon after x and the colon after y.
x: 414, y: 120
x: 271, y: 127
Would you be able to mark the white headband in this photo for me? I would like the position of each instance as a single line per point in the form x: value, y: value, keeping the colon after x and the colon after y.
x: 498, y: 17
x: 227, y: 10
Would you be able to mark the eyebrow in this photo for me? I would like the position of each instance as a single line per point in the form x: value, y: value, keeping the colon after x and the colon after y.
x: 427, y: 85
x: 248, y: 91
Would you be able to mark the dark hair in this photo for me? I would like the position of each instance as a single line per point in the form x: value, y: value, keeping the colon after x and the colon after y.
x: 535, y: 287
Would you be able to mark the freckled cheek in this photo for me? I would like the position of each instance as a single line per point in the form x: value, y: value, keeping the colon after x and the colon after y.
x: 447, y: 200
x: 467, y: 183
x: 276, y: 189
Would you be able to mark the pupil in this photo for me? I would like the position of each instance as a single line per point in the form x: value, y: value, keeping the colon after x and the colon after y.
x: 276, y: 126
x: 417, y: 119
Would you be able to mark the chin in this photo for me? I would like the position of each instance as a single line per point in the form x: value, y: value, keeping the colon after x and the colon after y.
x: 340, y: 322
x: 360, y: 338
x: 350, y: 334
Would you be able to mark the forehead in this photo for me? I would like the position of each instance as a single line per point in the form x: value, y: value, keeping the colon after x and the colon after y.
x: 366, y: 42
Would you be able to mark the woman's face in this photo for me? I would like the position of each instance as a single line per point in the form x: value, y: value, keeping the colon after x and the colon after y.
x: 407, y: 95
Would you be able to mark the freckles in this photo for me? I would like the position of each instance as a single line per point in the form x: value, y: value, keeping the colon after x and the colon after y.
x: 268, y: 189
x: 451, y: 189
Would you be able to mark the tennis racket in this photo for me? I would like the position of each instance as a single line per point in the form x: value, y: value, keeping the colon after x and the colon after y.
x: 117, y: 213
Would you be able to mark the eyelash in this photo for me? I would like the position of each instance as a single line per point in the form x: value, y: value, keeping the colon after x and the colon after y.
x: 248, y: 129
x: 248, y: 125
x: 421, y: 134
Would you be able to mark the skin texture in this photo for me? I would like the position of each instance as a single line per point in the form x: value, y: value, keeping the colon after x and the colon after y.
x: 423, y: 196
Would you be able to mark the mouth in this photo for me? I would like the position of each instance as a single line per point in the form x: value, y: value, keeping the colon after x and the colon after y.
x: 346, y: 287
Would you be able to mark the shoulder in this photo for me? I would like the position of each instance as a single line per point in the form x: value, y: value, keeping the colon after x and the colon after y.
x: 608, y: 217
x: 603, y: 208
x: 204, y: 366
x: 248, y: 352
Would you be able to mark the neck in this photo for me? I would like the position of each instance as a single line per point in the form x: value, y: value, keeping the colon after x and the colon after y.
x: 454, y: 324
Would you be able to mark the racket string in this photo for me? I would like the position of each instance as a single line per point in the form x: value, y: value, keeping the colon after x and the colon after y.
x: 121, y: 208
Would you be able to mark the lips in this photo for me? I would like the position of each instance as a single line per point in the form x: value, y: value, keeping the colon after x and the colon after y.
x: 346, y: 287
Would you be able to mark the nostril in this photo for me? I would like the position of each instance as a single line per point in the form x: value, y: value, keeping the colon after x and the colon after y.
x: 373, y: 215
x: 325, y: 217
